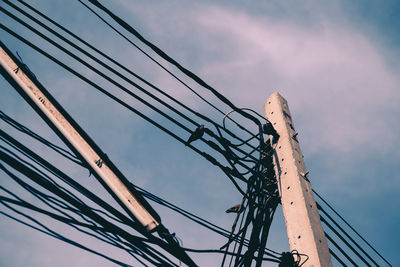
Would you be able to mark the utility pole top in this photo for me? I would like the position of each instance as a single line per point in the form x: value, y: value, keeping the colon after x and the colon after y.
x: 303, y: 224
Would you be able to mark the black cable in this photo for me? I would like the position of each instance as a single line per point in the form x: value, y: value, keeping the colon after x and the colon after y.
x: 69, y: 221
x: 272, y: 255
x: 60, y: 218
x: 73, y: 224
x: 261, y: 136
x: 222, y: 252
x: 345, y: 233
x: 95, y: 200
x: 72, y: 200
x: 156, y: 199
x: 337, y: 258
x: 191, y: 216
x: 354, y: 230
x: 341, y: 250
x: 62, y: 176
x: 343, y: 240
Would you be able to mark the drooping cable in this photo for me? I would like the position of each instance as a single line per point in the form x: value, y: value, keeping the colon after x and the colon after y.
x: 341, y: 250
x: 54, y: 234
x: 351, y: 227
x: 347, y: 235
x: 323, y: 220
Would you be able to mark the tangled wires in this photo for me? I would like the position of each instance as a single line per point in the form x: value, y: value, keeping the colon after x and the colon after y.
x: 288, y: 259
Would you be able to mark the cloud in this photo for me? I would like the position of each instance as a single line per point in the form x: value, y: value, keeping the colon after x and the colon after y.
x: 335, y: 79
x: 342, y: 93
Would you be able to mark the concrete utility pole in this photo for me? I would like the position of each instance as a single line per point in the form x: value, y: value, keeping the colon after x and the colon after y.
x: 90, y: 154
x: 44, y: 105
x: 302, y: 220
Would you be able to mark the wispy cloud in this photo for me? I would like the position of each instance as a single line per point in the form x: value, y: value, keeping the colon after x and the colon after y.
x: 335, y: 78
x: 342, y: 91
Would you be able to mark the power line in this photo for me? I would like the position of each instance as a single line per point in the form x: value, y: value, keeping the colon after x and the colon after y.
x: 347, y: 235
x: 341, y: 250
x: 352, y: 228
x: 217, y: 148
x: 343, y: 240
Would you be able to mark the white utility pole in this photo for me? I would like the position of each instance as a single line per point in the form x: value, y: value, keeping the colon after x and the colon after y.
x: 38, y: 98
x: 302, y: 220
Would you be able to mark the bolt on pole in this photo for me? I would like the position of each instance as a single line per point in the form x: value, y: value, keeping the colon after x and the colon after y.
x: 303, y: 224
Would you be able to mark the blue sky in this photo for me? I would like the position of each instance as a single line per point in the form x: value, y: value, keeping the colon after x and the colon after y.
x: 336, y: 64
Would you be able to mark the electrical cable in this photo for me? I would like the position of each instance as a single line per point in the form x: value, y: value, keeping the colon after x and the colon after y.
x: 62, y: 238
x: 337, y: 258
x: 169, y: 59
x: 352, y: 228
x: 343, y: 240
x: 341, y: 250
x: 117, y: 216
x: 347, y: 235
x: 99, y: 201
x: 222, y: 252
x: 253, y: 151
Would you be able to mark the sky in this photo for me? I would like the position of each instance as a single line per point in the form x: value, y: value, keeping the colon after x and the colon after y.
x: 336, y: 64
